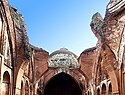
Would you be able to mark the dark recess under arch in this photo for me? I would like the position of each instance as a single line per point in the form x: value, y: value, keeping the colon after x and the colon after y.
x: 62, y: 84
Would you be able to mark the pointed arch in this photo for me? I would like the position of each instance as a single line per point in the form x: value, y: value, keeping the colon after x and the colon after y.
x: 98, y: 91
x: 109, y: 65
x: 62, y: 84
x: 103, y: 89
x: 110, y: 89
x: 6, y: 83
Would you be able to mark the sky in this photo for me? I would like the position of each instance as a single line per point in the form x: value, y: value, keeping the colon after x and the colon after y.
x: 55, y: 24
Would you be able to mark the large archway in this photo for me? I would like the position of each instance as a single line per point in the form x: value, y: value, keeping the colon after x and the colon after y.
x: 109, y: 66
x: 62, y: 84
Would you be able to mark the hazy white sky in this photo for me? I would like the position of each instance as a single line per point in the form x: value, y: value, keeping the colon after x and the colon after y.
x: 54, y: 24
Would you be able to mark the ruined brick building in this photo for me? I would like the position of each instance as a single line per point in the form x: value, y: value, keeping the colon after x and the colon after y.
x: 28, y: 70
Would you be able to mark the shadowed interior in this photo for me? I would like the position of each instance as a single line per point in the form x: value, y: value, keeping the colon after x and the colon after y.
x: 62, y: 84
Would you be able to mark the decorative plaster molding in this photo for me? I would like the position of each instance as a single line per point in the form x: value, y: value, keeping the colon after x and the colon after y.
x: 63, y: 61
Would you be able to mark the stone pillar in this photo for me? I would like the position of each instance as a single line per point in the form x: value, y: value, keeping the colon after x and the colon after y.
x: 5, y: 88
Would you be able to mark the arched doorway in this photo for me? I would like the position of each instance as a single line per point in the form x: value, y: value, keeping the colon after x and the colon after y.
x: 103, y: 89
x: 98, y: 91
x: 6, y: 83
x: 62, y: 84
x: 110, y: 89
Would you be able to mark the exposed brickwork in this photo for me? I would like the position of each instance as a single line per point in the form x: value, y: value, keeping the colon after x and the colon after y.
x: 26, y: 69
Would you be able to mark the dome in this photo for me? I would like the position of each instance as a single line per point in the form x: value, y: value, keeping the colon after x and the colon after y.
x: 63, y: 51
x: 63, y: 59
